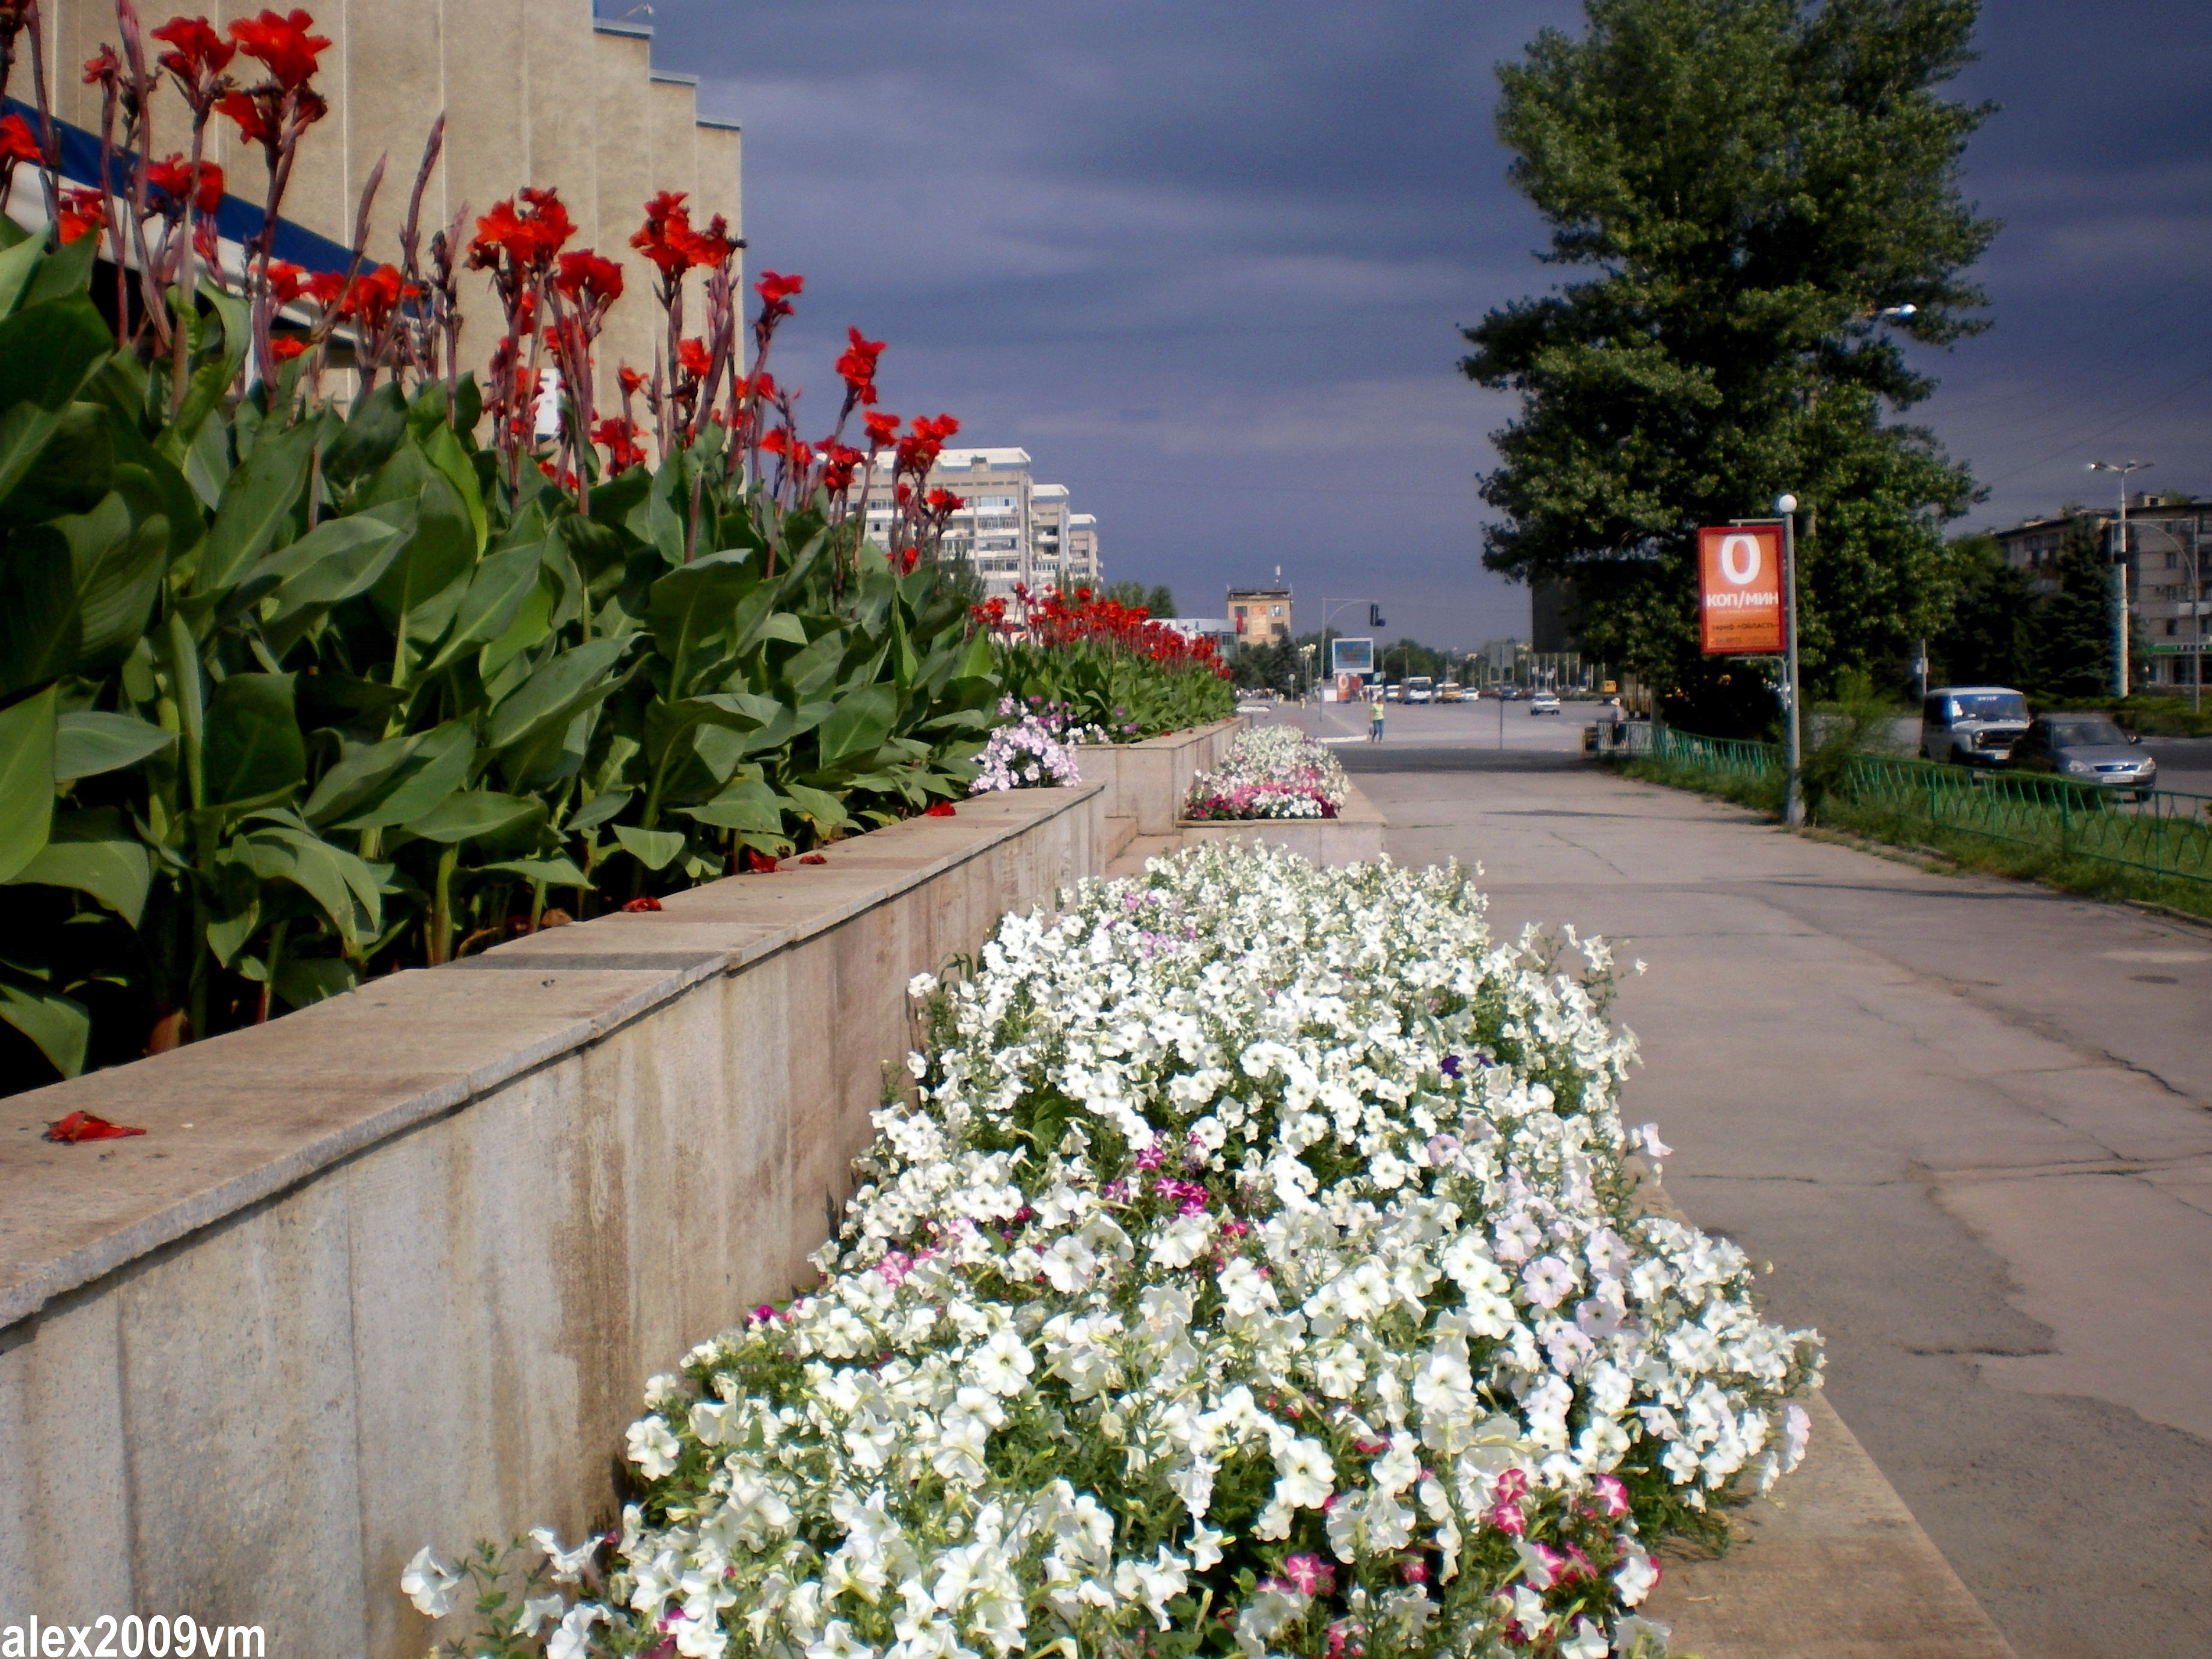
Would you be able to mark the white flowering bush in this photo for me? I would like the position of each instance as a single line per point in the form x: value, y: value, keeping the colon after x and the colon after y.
x: 1256, y: 1270
x: 1032, y: 749
x: 1271, y: 772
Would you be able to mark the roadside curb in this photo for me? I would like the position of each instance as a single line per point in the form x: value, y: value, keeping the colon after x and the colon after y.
x: 1833, y: 1566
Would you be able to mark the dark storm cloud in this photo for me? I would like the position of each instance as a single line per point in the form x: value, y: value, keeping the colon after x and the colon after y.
x: 1207, y: 261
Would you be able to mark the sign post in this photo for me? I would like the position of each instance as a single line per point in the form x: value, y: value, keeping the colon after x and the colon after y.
x: 1748, y: 607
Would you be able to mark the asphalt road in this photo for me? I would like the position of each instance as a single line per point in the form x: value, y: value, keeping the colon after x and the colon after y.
x: 1967, y: 1120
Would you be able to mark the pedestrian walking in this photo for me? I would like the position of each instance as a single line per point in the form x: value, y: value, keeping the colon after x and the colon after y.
x: 1374, y: 720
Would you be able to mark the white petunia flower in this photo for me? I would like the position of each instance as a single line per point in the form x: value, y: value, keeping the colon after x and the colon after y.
x: 653, y: 1448
x: 430, y: 1584
x: 572, y: 1638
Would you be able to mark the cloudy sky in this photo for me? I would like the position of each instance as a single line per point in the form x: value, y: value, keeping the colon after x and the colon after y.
x: 1206, y: 259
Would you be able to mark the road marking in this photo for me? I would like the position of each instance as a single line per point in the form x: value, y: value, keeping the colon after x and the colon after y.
x: 2156, y: 956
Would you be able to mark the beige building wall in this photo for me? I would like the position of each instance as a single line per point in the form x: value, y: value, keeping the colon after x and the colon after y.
x: 535, y: 92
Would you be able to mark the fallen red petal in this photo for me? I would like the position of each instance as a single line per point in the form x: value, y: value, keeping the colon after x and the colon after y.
x: 83, y: 1126
x: 813, y: 858
x: 648, y: 903
x: 941, y: 809
x: 757, y: 861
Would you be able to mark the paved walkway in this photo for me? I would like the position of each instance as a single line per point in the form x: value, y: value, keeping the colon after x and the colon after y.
x: 1967, y: 1120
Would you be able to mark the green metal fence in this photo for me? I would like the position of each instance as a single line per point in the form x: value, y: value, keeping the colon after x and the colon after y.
x: 2161, y: 832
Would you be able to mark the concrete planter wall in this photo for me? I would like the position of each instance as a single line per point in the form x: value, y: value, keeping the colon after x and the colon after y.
x: 1145, y: 782
x: 1354, y: 836
x: 394, y: 1269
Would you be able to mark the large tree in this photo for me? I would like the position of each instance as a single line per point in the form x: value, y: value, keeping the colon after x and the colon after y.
x: 1740, y: 194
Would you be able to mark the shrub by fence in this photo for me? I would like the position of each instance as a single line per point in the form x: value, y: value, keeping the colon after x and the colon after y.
x: 2162, y: 835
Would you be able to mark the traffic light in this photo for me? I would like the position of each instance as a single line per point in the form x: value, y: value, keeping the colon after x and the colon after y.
x: 1375, y: 616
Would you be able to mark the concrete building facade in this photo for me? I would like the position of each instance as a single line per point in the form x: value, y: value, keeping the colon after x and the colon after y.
x: 1261, y: 616
x: 534, y: 92
x: 1016, y: 532
x: 1082, y: 557
x: 2169, y: 536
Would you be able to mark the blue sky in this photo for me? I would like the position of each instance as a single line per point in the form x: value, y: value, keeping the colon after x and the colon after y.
x: 1206, y: 259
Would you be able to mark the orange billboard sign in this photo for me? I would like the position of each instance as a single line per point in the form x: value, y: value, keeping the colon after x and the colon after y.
x: 1740, y: 591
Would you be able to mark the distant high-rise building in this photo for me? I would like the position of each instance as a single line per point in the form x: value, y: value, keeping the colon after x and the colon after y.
x: 1016, y: 532
x: 1081, y: 559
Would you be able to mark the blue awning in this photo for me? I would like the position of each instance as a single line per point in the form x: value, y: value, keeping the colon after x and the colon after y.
x: 236, y: 220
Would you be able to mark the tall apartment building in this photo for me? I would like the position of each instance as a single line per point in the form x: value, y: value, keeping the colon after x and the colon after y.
x: 1080, y: 562
x: 1016, y: 531
x: 2169, y: 540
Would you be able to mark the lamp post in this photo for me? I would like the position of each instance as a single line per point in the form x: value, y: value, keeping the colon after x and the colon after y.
x: 1793, y: 799
x: 2119, y: 582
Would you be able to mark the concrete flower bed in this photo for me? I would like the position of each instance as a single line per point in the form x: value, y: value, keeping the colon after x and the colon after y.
x: 400, y: 1264
x: 1354, y: 836
x: 1146, y: 781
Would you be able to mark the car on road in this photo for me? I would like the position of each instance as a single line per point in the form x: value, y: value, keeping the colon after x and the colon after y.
x: 1544, y: 702
x: 1451, y: 691
x: 1419, y: 688
x: 1971, y: 725
x: 2083, y: 749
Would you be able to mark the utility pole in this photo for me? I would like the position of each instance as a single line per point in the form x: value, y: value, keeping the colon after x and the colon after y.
x: 2120, y: 572
x: 1793, y: 799
x: 2195, y: 620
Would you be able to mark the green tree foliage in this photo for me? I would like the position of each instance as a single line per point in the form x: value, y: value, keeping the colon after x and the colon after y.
x: 1739, y: 189
x: 2072, y: 632
x: 1991, y: 637
x: 1156, y: 601
x: 1275, y: 667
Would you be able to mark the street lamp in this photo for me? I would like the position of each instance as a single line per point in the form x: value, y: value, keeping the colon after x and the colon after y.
x: 1793, y: 799
x: 2119, y: 584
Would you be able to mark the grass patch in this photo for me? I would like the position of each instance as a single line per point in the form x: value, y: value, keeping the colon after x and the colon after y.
x: 2087, y: 878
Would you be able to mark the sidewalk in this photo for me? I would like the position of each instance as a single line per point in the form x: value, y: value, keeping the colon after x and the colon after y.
x: 1967, y: 1120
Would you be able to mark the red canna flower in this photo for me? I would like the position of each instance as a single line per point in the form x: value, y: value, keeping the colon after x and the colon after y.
x: 588, y: 279
x: 255, y: 125
x: 945, y: 501
x: 174, y: 180
x: 374, y: 297
x: 82, y: 211
x: 527, y: 237
x: 327, y: 288
x: 632, y: 381
x: 857, y: 368
x: 103, y: 68
x: 691, y: 355
x: 196, y: 50
x: 18, y: 142
x: 285, y: 347
x: 287, y: 281
x: 282, y: 44
x: 840, y: 462
x: 619, y: 438
x: 713, y: 247
x: 666, y: 238
x: 777, y: 293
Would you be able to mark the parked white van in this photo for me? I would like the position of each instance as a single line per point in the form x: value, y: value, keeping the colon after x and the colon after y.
x: 1971, y: 725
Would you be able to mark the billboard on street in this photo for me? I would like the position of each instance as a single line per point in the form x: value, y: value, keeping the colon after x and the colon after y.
x: 1740, y: 591
x: 1352, y: 656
